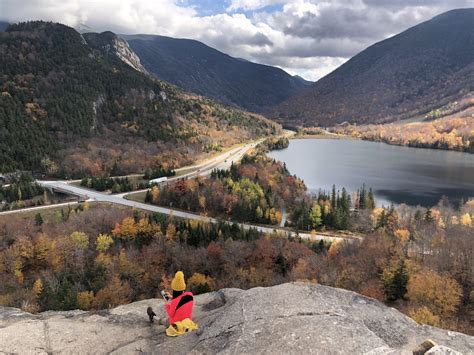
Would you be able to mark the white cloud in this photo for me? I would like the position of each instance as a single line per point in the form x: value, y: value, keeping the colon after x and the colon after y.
x: 305, y: 37
x: 252, y: 4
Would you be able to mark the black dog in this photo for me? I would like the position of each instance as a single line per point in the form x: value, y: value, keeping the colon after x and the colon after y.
x: 151, y: 314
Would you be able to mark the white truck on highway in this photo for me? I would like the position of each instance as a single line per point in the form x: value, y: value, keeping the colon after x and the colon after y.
x: 157, y: 180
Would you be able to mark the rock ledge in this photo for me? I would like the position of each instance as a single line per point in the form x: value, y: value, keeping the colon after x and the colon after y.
x: 289, y: 318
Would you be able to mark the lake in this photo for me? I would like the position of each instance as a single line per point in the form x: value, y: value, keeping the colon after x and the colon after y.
x: 396, y: 174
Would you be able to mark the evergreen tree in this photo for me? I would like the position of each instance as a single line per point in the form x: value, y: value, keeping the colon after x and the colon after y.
x: 418, y: 215
x: 396, y: 286
x: 38, y: 219
x: 148, y: 197
x: 382, y: 220
x: 362, y: 198
x: 333, y: 197
x: 345, y: 201
x: 234, y: 172
x: 282, y: 264
x: 370, y: 200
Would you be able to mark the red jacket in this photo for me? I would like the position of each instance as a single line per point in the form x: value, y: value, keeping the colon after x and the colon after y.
x: 180, y: 307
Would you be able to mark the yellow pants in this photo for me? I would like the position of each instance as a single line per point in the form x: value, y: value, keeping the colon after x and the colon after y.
x: 179, y: 328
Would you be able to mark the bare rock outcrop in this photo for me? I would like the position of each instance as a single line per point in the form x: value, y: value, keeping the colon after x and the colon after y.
x: 289, y: 318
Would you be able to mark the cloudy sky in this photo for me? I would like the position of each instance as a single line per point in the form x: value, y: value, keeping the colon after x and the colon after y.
x: 305, y: 37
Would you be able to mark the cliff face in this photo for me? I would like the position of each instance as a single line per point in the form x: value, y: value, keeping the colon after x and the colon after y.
x: 289, y: 318
x: 110, y: 43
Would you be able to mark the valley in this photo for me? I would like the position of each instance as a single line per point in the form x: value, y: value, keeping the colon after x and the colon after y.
x: 418, y: 71
x: 127, y: 157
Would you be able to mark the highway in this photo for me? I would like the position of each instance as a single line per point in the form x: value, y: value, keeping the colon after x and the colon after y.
x: 222, y: 161
x: 95, y: 196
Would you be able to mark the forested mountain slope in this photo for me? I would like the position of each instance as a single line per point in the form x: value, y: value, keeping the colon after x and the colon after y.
x: 69, y: 107
x: 3, y: 25
x: 410, y: 74
x: 204, y: 70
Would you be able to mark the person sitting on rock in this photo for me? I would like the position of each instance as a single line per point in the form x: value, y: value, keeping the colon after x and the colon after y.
x: 179, y: 308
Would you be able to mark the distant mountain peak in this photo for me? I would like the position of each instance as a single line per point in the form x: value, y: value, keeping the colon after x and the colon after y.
x: 303, y: 80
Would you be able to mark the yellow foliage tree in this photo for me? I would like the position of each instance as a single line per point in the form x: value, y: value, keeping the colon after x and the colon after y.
x: 199, y: 283
x: 103, y: 242
x: 128, y: 229
x: 155, y: 194
x: 115, y: 293
x: 103, y: 260
x: 423, y: 315
x: 80, y: 240
x: 440, y: 294
x: 170, y: 232
x: 84, y: 299
x: 466, y: 220
x: 19, y: 275
x: 24, y: 247
x: 202, y: 202
x: 37, y: 287
x: 349, y: 279
x: 42, y: 247
x: 403, y: 235
x: 145, y: 229
x: 333, y: 250
x: 376, y: 213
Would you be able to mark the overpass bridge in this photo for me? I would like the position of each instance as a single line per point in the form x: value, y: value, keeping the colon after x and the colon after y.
x: 53, y: 187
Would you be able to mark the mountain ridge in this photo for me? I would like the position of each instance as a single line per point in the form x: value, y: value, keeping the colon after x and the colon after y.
x: 407, y: 75
x: 70, y: 105
x: 199, y: 68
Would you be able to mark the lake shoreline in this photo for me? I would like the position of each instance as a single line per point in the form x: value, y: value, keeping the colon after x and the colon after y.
x: 349, y: 137
x: 322, y: 136
x: 397, y: 173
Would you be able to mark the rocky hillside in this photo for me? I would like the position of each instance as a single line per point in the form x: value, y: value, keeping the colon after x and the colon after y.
x: 111, y: 44
x: 419, y: 70
x: 198, y: 68
x: 72, y: 105
x: 289, y: 318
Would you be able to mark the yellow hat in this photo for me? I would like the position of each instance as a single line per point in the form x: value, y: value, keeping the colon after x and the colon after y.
x: 178, y: 283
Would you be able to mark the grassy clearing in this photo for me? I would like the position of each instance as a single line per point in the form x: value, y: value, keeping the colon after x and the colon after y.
x: 136, y: 197
x: 410, y: 120
x: 184, y: 171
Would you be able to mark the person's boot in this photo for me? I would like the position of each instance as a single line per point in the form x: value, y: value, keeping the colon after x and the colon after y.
x: 151, y: 314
